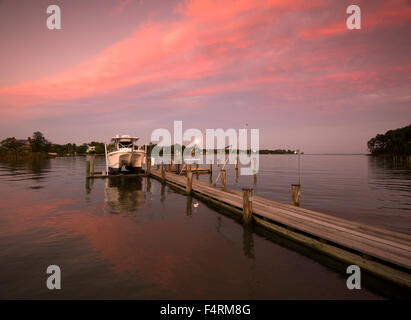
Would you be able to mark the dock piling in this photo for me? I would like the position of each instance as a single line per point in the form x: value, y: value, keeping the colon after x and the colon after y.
x: 295, y: 194
x: 223, y: 178
x: 163, y: 173
x: 189, y: 186
x: 92, y: 165
x: 148, y: 166
x: 247, y: 205
x: 87, y: 168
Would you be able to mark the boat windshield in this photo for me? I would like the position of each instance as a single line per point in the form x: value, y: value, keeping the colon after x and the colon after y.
x: 125, y: 144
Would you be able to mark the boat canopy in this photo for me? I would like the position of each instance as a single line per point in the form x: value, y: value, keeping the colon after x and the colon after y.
x: 124, y: 138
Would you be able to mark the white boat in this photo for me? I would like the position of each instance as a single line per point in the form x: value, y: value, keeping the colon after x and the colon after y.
x: 125, y: 155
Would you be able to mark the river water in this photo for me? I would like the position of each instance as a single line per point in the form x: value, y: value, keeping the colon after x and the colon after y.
x: 132, y: 238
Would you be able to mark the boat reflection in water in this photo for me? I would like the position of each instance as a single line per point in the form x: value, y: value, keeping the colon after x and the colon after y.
x: 123, y: 194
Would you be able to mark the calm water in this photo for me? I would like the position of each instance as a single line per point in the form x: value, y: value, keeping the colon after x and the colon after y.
x: 134, y: 238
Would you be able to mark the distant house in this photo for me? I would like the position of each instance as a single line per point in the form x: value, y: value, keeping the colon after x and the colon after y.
x: 91, y: 149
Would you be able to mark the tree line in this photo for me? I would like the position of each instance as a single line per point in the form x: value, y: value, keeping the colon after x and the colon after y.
x: 395, y: 142
x: 39, y: 145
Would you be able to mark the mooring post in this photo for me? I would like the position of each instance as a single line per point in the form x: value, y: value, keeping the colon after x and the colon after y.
x: 295, y: 194
x: 196, y: 166
x: 211, y: 168
x: 92, y: 166
x: 148, y: 165
x: 87, y: 168
x: 247, y: 205
x: 223, y: 178
x: 178, y: 168
x: 163, y: 173
x: 189, y: 186
x: 236, y: 163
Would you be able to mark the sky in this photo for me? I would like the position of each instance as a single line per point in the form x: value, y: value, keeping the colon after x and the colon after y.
x: 290, y: 68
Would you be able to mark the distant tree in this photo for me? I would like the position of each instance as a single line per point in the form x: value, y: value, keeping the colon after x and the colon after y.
x: 99, y: 147
x: 393, y: 142
x: 39, y: 143
x: 81, y: 149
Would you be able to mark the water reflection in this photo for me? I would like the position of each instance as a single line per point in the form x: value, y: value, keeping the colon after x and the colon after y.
x: 248, y: 241
x: 189, y: 208
x: 38, y: 168
x: 123, y: 194
x: 390, y: 174
x: 180, y: 248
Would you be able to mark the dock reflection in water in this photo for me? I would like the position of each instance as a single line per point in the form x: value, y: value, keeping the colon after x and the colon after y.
x: 136, y: 238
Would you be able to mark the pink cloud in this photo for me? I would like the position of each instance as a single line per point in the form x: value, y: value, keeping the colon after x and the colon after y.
x: 217, y: 47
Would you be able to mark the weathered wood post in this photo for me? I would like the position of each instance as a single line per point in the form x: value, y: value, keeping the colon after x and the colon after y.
x: 148, y: 165
x: 223, y: 178
x: 189, y: 186
x: 236, y: 163
x: 247, y: 205
x: 163, y: 173
x: 211, y: 168
x: 196, y: 166
x: 92, y: 166
x: 295, y: 194
x: 87, y: 168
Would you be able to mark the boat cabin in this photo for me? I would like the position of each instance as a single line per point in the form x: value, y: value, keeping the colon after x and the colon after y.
x: 125, y: 142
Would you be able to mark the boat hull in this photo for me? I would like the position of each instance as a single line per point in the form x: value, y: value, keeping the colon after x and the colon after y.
x: 132, y: 161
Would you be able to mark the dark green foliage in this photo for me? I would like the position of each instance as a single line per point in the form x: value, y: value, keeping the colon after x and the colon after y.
x: 39, y: 143
x: 394, y: 142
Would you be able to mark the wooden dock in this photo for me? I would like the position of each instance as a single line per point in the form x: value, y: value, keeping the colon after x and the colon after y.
x: 384, y: 253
